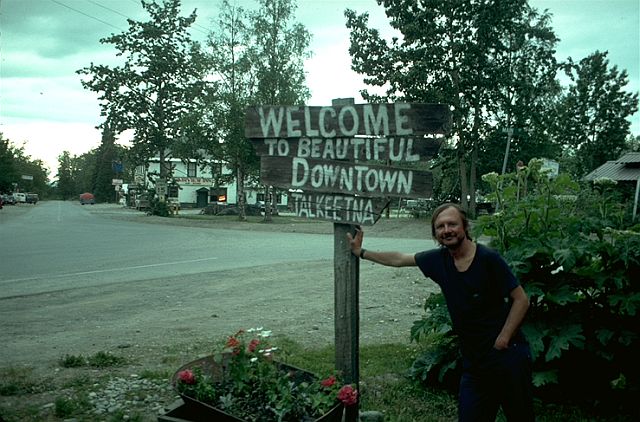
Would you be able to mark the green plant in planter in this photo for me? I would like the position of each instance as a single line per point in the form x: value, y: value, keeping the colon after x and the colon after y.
x: 250, y: 385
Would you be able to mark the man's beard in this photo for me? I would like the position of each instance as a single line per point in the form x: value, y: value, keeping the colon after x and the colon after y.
x: 447, y: 242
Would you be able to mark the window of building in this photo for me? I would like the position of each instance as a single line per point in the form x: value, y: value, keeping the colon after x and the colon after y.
x: 192, y: 170
x: 216, y: 169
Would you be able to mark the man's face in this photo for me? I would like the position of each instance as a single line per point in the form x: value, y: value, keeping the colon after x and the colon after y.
x: 450, y: 229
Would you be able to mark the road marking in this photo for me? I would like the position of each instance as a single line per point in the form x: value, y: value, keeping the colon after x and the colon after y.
x: 108, y: 270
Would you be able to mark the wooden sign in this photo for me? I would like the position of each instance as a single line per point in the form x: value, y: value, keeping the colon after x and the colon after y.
x: 338, y: 208
x: 335, y: 160
x: 346, y: 121
x: 392, y: 149
x: 343, y: 177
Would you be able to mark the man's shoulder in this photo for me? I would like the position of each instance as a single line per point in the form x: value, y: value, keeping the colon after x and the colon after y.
x: 485, y: 250
x: 428, y: 255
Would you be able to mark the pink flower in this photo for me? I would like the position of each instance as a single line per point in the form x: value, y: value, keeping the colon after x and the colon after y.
x: 348, y: 395
x: 253, y: 345
x: 329, y: 382
x: 187, y: 376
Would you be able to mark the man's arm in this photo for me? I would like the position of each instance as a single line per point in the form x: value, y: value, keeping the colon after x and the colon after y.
x: 391, y: 259
x: 519, y: 306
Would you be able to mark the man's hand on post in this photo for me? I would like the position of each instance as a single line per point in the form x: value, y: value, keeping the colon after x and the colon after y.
x: 355, y: 242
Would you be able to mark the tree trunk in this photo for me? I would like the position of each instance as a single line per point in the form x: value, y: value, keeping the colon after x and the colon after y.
x: 267, y: 205
x: 274, y: 201
x: 240, y: 197
x: 472, y: 179
x: 462, y: 168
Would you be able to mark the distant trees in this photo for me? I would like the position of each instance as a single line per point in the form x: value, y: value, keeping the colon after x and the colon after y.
x: 94, y: 170
x: 258, y: 57
x: 278, y: 48
x: 231, y: 63
x: 15, y: 163
x: 592, y: 119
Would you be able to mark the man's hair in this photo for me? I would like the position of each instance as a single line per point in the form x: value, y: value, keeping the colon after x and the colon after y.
x: 463, y: 216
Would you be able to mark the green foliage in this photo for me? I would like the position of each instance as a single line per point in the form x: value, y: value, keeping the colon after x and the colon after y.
x: 68, y: 406
x: 159, y: 86
x: 73, y: 361
x: 248, y: 384
x: 14, y: 163
x: 98, y: 360
x: 16, y: 381
x: 156, y: 206
x: 568, y: 246
x: 593, y: 116
x: 441, y: 357
x: 493, y: 62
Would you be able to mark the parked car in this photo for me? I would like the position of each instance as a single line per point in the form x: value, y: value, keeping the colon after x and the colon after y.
x: 8, y: 200
x: 87, y: 198
x: 32, y: 198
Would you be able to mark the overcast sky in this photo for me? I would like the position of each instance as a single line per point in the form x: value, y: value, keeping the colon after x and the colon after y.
x: 43, y: 43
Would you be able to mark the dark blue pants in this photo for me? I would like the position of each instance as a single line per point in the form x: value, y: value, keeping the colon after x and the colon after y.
x: 502, y: 379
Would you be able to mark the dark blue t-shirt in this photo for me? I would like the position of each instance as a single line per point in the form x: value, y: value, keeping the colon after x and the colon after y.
x: 477, y: 299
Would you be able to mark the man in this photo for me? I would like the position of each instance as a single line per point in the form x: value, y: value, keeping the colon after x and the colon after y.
x: 486, y: 305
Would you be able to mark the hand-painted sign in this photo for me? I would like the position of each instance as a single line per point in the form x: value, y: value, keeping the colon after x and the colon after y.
x: 336, y: 160
x: 346, y: 121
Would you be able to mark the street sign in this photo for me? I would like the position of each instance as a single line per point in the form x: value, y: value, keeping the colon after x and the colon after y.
x: 116, y: 181
x: 27, y: 177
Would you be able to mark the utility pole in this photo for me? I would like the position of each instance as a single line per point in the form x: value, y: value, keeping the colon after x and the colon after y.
x: 509, y: 132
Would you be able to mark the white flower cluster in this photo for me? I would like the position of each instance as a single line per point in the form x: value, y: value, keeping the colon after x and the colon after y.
x: 261, y: 332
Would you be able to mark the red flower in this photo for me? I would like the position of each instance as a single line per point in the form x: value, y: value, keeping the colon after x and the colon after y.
x: 348, y: 395
x: 253, y: 345
x: 187, y: 376
x: 233, y: 342
x: 329, y: 382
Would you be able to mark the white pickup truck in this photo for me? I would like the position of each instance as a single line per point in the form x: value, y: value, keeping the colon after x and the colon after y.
x: 20, y: 197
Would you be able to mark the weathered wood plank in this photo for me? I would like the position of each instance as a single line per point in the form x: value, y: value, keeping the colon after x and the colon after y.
x: 344, y: 209
x: 404, y: 149
x: 345, y: 121
x: 346, y: 268
x: 369, y: 180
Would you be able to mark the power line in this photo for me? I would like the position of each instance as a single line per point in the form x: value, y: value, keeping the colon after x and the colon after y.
x: 108, y: 8
x: 87, y: 15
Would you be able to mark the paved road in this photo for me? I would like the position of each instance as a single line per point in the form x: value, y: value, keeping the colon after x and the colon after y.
x: 62, y: 245
x: 74, y: 281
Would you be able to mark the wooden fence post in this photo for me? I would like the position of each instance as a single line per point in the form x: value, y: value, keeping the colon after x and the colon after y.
x: 346, y: 269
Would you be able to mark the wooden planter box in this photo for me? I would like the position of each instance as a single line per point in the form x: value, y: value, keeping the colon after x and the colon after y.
x: 191, y: 410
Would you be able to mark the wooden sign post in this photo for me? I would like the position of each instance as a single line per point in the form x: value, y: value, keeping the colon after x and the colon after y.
x: 342, y: 163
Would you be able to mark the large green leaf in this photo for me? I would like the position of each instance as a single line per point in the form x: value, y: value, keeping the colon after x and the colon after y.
x: 604, y: 335
x: 545, y: 377
x: 562, y: 295
x: 567, y: 336
x: 626, y: 304
x: 535, y: 335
